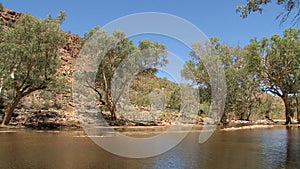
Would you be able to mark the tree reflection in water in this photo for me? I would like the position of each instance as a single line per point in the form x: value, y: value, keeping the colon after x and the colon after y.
x: 280, y: 148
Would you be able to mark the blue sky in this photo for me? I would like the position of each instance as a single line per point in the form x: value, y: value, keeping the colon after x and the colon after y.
x: 213, y: 17
x: 216, y: 18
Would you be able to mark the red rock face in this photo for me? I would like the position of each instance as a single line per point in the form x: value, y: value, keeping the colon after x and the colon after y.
x: 7, y: 15
x: 73, y: 44
x: 68, y: 54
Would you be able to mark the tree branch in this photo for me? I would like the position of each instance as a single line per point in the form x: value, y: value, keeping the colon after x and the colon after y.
x: 97, y: 91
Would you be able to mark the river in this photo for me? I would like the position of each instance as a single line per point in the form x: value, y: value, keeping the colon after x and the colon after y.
x: 277, y: 147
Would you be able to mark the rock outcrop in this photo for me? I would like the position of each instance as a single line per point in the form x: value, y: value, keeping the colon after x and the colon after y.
x: 43, y: 119
x: 7, y: 16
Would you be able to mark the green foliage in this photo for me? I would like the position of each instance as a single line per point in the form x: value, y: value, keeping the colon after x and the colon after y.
x: 10, y: 23
x: 270, y: 65
x: 175, y: 99
x: 276, y: 63
x: 116, y: 49
x: 29, y: 53
x: 290, y: 7
x: 205, y: 108
x: 242, y: 88
x: 252, y: 6
x: 271, y: 106
x: 88, y: 35
x: 29, y: 57
x: 143, y: 88
x: 59, y: 19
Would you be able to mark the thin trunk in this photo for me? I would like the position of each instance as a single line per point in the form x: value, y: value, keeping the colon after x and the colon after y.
x: 1, y: 98
x: 112, y: 108
x: 249, y: 110
x: 223, y: 121
x: 288, y: 117
x: 10, y: 109
x: 297, y: 108
x: 241, y: 116
x: 13, y: 104
x: 110, y: 105
x: 248, y: 115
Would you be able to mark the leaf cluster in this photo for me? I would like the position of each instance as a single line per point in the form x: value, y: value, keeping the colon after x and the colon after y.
x: 29, y: 53
x: 291, y: 8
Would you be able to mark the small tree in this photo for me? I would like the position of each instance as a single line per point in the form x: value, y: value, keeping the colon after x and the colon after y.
x: 28, y: 58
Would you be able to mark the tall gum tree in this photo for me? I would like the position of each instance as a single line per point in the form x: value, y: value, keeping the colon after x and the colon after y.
x: 276, y: 62
x: 242, y: 89
x: 28, y: 58
x: 118, y: 49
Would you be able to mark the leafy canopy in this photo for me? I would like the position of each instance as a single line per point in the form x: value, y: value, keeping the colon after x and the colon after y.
x: 28, y: 59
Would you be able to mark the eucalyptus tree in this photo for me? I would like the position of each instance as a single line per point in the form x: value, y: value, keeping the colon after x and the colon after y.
x: 28, y: 58
x: 242, y: 88
x: 276, y: 62
x: 118, y: 62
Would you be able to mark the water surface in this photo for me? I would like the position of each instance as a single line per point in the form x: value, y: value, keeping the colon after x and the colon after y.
x: 263, y: 148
